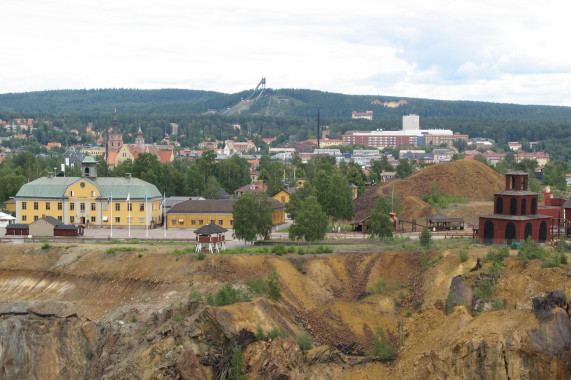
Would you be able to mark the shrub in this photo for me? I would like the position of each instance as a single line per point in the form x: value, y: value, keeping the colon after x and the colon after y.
x: 46, y: 246
x: 409, y: 313
x: 300, y: 264
x: 304, y: 341
x: 227, y: 295
x: 380, y: 286
x: 425, y: 237
x: 424, y: 261
x: 291, y: 249
x: 194, y: 295
x: 530, y: 250
x: 496, y: 268
x: 260, y: 335
x: 257, y: 287
x: 498, y: 254
x: 237, y: 371
x: 463, y: 254
x: 260, y: 287
x: 449, y: 303
x: 140, y: 255
x: 274, y: 290
x: 382, y: 350
x: 301, y: 251
x: 484, y: 290
x: 278, y: 249
x: 498, y: 304
x: 201, y: 255
x: 277, y: 332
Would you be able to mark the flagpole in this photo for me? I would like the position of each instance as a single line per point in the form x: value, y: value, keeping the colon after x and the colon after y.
x: 146, y: 215
x: 111, y: 203
x: 129, y: 210
x: 164, y: 217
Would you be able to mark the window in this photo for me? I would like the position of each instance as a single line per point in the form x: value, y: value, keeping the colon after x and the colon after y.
x: 117, y: 206
x: 129, y: 219
x: 60, y: 206
x: 173, y: 222
x: 36, y: 206
x: 232, y: 222
x: 220, y: 221
x: 117, y: 219
x: 35, y: 218
x: 72, y: 219
x: 193, y: 222
x: 94, y: 207
x: 142, y: 207
x: 82, y: 206
x: 24, y: 218
x: 104, y: 219
x: 181, y: 222
x: 60, y: 218
x: 93, y: 219
x: 142, y: 219
x: 71, y: 193
x: 24, y: 205
x: 200, y: 222
x: 72, y: 206
x: 129, y: 206
x: 48, y: 206
x: 212, y: 221
x: 93, y: 193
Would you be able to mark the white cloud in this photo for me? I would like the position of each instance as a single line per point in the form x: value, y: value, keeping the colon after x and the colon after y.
x: 480, y: 50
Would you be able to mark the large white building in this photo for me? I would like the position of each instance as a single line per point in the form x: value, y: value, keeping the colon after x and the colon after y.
x: 410, y: 122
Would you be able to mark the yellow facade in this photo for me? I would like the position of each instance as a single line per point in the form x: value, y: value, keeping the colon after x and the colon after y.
x: 194, y: 221
x: 282, y: 196
x: 82, y: 203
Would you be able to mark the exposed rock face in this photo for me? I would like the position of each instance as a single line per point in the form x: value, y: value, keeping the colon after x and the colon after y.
x: 542, y: 353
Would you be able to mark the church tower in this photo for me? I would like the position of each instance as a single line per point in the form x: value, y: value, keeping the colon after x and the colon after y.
x: 115, y: 141
x: 140, y: 141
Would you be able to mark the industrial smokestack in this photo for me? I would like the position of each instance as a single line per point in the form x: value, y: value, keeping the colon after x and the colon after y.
x: 318, y: 132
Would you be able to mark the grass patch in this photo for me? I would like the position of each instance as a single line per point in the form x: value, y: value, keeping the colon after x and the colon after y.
x: 46, y: 246
x: 381, y: 348
x: 194, y: 295
x: 111, y: 251
x: 463, y: 253
x: 180, y: 252
x: 304, y: 341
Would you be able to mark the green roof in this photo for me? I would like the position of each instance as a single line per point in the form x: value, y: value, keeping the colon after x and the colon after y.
x: 89, y: 159
x: 120, y: 187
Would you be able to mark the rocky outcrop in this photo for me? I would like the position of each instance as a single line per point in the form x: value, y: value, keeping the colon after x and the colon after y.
x: 540, y: 353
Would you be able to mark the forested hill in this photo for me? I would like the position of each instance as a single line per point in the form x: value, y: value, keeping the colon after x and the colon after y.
x: 280, y: 103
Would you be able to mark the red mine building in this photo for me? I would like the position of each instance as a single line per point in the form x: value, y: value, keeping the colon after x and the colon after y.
x: 515, y: 215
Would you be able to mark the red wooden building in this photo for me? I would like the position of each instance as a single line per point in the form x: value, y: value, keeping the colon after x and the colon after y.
x: 515, y: 215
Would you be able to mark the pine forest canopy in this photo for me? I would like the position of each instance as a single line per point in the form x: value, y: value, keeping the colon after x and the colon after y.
x: 289, y: 114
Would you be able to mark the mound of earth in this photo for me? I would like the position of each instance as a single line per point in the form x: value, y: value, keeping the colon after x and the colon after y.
x: 414, y: 208
x: 469, y: 179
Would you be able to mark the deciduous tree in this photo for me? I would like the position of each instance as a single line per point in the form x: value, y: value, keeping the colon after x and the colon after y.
x: 252, y: 216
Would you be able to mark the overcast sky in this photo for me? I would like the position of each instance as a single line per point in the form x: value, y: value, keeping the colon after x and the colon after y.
x: 499, y: 50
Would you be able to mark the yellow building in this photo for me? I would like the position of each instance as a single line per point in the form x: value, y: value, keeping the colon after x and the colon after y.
x: 284, y: 195
x: 90, y: 200
x: 193, y: 214
x: 96, y: 151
